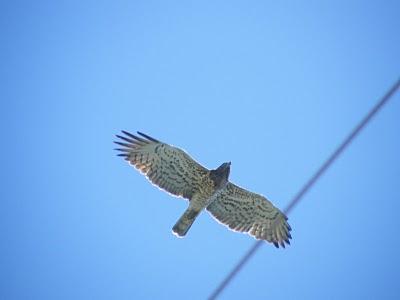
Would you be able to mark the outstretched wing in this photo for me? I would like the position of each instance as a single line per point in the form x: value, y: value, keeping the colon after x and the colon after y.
x: 168, y: 167
x: 251, y: 213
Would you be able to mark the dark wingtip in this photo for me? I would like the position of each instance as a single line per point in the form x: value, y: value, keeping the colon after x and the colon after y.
x: 148, y: 137
x: 126, y: 139
x: 124, y: 144
x: 276, y: 244
x: 122, y: 149
x: 126, y: 132
x: 123, y: 154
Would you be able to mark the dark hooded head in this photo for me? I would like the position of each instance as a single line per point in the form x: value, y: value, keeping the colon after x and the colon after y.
x: 220, y: 175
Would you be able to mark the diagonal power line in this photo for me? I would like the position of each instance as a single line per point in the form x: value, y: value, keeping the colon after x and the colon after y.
x: 296, y: 199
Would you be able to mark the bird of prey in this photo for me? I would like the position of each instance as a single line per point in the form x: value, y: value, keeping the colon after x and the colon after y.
x: 174, y: 171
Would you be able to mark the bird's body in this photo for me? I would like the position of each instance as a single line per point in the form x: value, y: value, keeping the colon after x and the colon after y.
x: 174, y: 171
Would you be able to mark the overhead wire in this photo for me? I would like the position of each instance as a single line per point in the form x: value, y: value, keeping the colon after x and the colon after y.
x: 306, y: 187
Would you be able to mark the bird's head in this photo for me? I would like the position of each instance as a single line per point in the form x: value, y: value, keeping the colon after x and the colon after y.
x: 221, y: 174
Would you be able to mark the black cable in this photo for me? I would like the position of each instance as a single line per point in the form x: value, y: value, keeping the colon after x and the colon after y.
x: 353, y: 134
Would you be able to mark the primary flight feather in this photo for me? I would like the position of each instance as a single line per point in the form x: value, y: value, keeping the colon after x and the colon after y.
x: 174, y: 171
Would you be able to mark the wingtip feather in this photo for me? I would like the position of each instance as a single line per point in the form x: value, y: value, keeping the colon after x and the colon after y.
x: 123, y: 154
x: 148, y: 137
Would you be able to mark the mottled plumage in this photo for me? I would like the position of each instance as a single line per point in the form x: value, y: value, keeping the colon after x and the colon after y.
x: 174, y: 171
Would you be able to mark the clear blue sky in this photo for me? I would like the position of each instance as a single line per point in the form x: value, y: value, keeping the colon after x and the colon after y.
x: 271, y: 87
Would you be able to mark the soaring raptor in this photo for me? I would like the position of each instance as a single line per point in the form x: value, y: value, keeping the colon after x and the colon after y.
x: 174, y: 171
